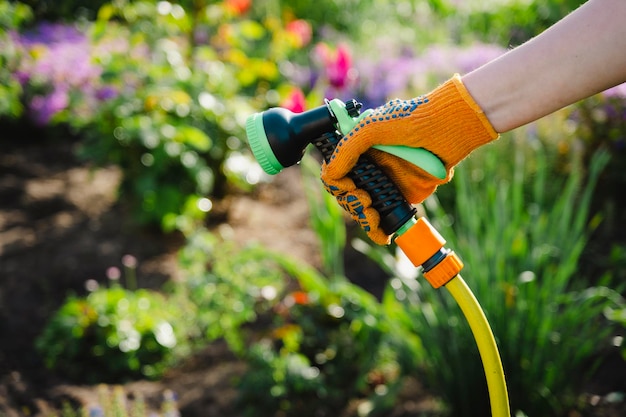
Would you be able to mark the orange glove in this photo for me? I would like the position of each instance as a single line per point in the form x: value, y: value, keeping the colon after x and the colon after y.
x: 447, y: 122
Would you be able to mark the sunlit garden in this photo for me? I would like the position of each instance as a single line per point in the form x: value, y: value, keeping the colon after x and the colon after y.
x: 150, y: 267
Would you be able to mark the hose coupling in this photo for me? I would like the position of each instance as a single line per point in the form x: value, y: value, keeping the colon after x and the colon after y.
x: 424, y: 246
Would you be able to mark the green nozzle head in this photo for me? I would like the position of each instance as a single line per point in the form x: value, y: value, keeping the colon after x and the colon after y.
x: 259, y: 144
x: 279, y: 137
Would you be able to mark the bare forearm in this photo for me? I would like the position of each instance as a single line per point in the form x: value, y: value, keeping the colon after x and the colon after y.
x: 583, y: 54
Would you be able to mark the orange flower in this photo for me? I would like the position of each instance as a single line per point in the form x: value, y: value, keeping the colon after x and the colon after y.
x: 238, y: 6
x: 300, y: 297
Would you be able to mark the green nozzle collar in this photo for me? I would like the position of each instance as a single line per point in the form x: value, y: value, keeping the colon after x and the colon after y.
x: 260, y: 145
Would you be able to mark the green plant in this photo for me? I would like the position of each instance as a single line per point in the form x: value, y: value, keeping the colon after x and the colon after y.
x: 64, y: 10
x: 325, y: 216
x: 114, y: 334
x: 520, y: 230
x: 230, y: 287
x: 329, y: 342
x: 180, y: 102
x: 159, y: 89
x: 509, y: 22
x: 12, y: 17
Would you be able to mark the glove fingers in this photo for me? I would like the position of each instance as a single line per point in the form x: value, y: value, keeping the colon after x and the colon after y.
x: 359, y: 205
x: 347, y: 153
x: 336, y: 186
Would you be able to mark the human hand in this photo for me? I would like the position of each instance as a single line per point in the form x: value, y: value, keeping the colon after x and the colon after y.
x: 446, y: 122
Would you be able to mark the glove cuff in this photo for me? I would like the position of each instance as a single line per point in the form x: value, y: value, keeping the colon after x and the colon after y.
x: 461, y: 124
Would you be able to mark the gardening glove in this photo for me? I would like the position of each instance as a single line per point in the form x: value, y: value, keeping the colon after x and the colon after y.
x: 447, y: 122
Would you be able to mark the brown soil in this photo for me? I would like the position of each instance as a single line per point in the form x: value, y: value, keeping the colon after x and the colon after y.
x: 60, y: 225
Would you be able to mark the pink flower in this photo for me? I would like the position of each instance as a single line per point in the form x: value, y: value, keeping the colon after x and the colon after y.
x: 337, y: 64
x: 113, y: 273
x: 301, y: 31
x: 295, y: 101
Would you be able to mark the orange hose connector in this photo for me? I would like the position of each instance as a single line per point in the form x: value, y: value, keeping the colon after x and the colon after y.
x: 421, y: 242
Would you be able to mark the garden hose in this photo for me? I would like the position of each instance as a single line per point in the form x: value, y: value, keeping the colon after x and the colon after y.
x: 278, y: 139
x: 496, y: 383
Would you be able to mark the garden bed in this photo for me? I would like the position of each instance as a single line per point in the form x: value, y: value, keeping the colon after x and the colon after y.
x: 60, y: 225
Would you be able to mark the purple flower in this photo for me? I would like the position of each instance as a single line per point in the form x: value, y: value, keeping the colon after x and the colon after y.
x: 477, y: 55
x: 52, y: 33
x: 60, y: 59
x: 618, y: 91
x: 44, y: 107
x: 402, y: 73
x: 106, y: 93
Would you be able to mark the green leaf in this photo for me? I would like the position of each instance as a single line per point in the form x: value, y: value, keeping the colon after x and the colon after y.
x: 194, y: 137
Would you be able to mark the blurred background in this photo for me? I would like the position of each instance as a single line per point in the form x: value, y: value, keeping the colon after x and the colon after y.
x: 148, y: 266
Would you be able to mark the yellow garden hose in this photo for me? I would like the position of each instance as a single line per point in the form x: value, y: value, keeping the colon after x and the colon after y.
x: 424, y: 246
x: 487, y: 347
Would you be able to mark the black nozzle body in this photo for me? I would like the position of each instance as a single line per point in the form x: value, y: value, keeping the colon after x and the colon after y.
x: 288, y: 133
x: 387, y: 199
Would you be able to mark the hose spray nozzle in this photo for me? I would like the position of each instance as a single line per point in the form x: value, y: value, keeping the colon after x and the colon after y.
x: 279, y: 137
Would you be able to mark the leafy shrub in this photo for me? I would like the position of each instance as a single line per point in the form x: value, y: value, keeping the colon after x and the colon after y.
x: 323, y: 351
x: 114, y: 334
x: 180, y: 106
x: 159, y: 90
x: 229, y: 287
x: 330, y: 343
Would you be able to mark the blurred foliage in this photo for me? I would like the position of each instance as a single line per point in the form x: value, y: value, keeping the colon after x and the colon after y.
x: 174, y: 130
x: 115, y: 334
x: 12, y: 17
x: 329, y: 342
x: 507, y: 22
x: 304, y: 336
x: 325, y: 349
x: 230, y: 287
x: 64, y: 10
x: 601, y: 123
x: 160, y: 91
